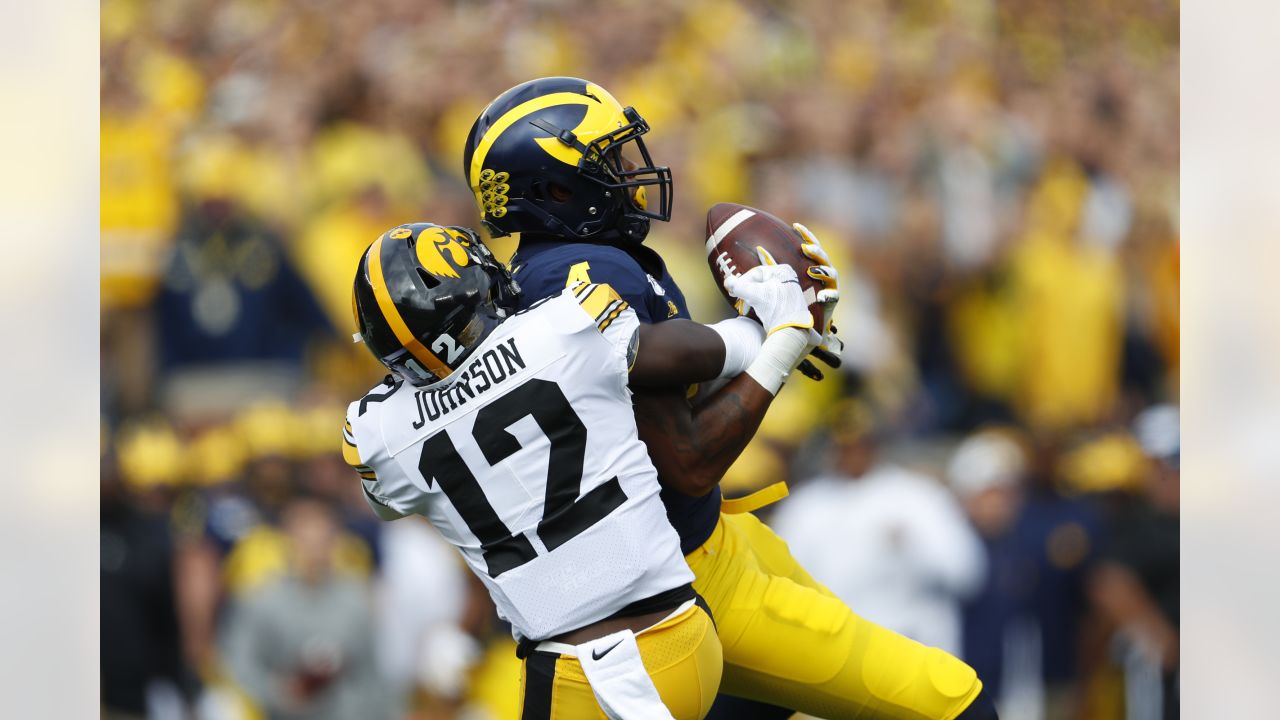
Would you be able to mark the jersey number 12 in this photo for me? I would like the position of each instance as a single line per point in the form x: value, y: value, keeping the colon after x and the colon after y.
x: 564, y: 514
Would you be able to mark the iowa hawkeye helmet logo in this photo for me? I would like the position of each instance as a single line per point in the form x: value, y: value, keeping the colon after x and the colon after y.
x: 441, y: 250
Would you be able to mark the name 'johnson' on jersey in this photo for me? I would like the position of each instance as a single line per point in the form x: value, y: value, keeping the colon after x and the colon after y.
x: 527, y: 459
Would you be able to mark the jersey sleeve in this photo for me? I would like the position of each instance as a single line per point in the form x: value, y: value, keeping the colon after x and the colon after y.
x: 375, y: 494
x: 612, y: 316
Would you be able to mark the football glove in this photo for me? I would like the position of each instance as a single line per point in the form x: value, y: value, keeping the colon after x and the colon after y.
x: 828, y: 351
x: 773, y: 292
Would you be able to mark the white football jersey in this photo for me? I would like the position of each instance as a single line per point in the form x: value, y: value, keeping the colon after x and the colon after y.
x: 527, y: 459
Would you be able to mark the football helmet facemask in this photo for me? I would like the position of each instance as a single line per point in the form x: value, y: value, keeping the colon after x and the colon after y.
x: 426, y: 295
x: 555, y: 155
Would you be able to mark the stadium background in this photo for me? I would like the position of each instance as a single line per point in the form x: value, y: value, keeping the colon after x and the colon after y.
x: 997, y: 181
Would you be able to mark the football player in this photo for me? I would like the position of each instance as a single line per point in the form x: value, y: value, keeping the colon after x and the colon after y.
x: 512, y: 432
x: 561, y: 162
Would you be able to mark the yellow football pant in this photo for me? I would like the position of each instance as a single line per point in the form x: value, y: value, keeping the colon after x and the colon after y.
x: 682, y: 655
x: 789, y: 641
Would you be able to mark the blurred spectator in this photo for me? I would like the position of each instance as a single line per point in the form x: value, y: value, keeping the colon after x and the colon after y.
x: 1135, y: 585
x: 987, y: 472
x: 230, y: 542
x: 1057, y: 538
x: 141, y: 655
x: 302, y: 645
x: 231, y: 306
x: 890, y: 542
x: 254, y: 548
x: 1070, y: 297
x: 422, y: 643
x: 1023, y: 628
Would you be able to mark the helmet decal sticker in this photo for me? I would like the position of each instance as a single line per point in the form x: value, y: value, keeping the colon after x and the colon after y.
x: 434, y: 244
x: 493, y: 192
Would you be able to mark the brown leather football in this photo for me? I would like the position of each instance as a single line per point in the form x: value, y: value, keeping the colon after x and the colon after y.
x: 735, y: 231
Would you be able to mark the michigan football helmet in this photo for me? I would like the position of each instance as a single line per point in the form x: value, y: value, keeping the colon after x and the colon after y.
x: 552, y: 155
x: 426, y: 295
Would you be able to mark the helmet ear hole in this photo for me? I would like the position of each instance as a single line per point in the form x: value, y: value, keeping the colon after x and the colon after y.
x: 431, y: 280
x: 559, y: 192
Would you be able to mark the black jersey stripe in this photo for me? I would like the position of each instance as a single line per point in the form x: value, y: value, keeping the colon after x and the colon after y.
x: 539, y: 679
x: 608, y: 309
x: 376, y: 398
x: 609, y: 320
x: 579, y: 288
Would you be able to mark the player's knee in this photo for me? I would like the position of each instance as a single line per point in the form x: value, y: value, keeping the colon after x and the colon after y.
x: 980, y: 709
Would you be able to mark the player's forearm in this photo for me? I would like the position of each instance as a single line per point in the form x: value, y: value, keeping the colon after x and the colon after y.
x: 677, y: 353
x: 725, y: 422
x: 693, y: 447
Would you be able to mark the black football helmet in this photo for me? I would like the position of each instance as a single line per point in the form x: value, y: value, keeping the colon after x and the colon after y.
x: 426, y: 295
x: 547, y: 157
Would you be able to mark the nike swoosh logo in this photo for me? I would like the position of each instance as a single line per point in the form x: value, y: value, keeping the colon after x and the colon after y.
x: 596, y: 654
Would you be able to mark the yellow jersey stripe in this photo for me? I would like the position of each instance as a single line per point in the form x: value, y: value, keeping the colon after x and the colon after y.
x: 585, y: 301
x: 351, y: 455
x: 608, y: 309
x: 392, y: 316
x: 597, y: 302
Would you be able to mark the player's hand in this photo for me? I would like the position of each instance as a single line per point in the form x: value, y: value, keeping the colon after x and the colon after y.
x: 828, y: 350
x: 822, y: 271
x: 773, y: 292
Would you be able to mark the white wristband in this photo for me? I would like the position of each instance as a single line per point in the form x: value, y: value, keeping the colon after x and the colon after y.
x: 779, y: 355
x: 742, y: 340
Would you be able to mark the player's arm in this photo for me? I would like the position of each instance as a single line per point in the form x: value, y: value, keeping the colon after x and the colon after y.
x: 674, y: 353
x: 693, y: 447
x: 681, y: 352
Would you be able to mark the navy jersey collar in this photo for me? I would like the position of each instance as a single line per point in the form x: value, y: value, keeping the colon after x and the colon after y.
x: 532, y: 245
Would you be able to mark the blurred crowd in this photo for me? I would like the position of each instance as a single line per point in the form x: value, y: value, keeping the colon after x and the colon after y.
x: 994, y: 470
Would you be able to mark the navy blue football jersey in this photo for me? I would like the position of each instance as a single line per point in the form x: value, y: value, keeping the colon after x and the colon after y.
x: 544, y: 267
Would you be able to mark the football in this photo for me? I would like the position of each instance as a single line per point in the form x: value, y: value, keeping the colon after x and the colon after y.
x: 733, y: 233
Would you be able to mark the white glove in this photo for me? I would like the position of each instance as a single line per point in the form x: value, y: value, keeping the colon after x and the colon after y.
x: 773, y: 292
